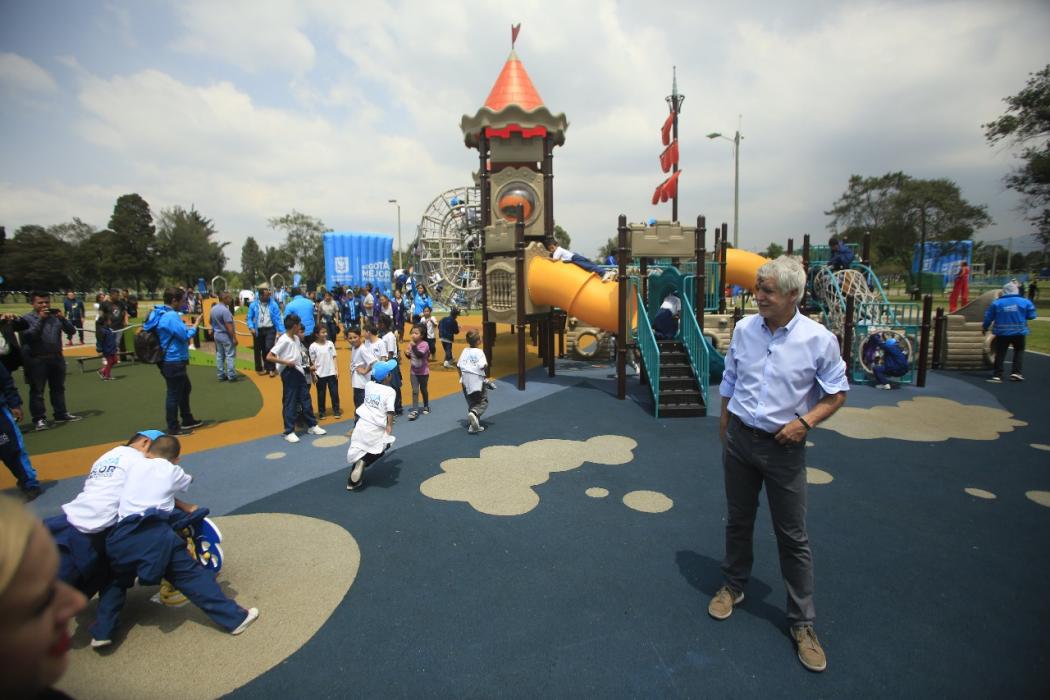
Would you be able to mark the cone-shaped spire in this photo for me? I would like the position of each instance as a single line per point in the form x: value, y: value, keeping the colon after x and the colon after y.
x: 513, y: 87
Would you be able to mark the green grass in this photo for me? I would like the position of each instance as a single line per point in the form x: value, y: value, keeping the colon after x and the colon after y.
x: 133, y: 401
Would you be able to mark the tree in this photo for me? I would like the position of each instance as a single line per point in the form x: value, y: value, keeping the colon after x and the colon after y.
x: 899, y: 210
x: 276, y: 260
x: 608, y: 248
x: 132, y: 223
x: 81, y: 269
x: 184, y: 242
x: 251, y: 262
x: 35, y: 259
x: 562, y: 237
x: 775, y: 250
x: 304, y: 242
x: 1027, y: 123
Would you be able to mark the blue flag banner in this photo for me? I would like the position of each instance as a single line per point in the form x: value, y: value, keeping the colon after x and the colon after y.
x: 943, y: 257
x: 356, y: 258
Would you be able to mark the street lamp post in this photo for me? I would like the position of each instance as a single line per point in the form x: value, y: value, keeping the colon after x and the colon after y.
x: 736, y: 181
x: 400, y: 259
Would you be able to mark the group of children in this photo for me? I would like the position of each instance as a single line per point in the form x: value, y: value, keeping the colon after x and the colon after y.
x: 126, y: 524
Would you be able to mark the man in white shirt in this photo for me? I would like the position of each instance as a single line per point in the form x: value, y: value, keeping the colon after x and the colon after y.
x: 783, y: 375
x: 80, y: 532
x: 144, y: 545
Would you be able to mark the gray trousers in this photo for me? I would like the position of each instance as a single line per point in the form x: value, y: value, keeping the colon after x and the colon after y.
x: 477, y: 402
x: 750, y: 459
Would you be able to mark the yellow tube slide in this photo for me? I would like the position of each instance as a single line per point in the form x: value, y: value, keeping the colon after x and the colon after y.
x: 584, y: 295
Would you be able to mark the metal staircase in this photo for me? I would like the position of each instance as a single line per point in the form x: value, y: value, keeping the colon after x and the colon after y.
x: 679, y: 391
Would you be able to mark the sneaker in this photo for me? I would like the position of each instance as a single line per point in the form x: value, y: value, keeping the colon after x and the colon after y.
x: 885, y: 387
x: 353, y: 482
x: 721, y: 606
x: 192, y: 424
x: 1016, y: 377
x: 40, y: 425
x: 475, y: 425
x: 995, y: 380
x: 291, y: 437
x: 490, y: 385
x: 100, y: 375
x: 252, y: 616
x: 426, y: 410
x: 68, y: 418
x: 317, y: 430
x: 180, y: 432
x: 221, y: 379
x: 447, y: 364
x: 100, y: 643
x: 412, y: 415
x: 32, y: 493
x: 320, y: 415
x: 338, y: 413
x: 810, y: 653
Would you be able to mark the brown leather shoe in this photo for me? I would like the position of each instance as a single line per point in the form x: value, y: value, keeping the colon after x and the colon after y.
x: 810, y: 653
x: 721, y: 606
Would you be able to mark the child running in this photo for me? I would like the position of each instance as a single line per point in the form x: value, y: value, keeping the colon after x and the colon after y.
x: 292, y: 363
x: 323, y: 359
x: 472, y: 371
x: 361, y: 360
x: 143, y: 544
x: 418, y: 354
x: 447, y: 330
x: 373, y: 434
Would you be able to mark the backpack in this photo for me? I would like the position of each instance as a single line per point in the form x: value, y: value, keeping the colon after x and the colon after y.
x: 148, y: 348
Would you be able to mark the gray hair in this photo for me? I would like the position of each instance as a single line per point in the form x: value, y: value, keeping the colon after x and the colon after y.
x: 786, y: 272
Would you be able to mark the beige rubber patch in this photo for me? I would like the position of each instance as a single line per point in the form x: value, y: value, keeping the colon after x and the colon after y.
x: 597, y: 492
x: 500, y: 480
x: 276, y: 455
x: 331, y: 441
x: 923, y: 419
x: 818, y: 476
x: 648, y: 501
x: 1040, y: 446
x: 980, y: 493
x: 1040, y: 497
x: 179, y: 652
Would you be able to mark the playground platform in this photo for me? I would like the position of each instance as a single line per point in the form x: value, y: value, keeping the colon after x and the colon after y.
x: 570, y: 550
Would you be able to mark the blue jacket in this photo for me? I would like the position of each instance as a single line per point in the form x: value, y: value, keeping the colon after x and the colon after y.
x: 174, y: 335
x: 1010, y: 314
x: 275, y: 315
x: 421, y: 300
x: 9, y: 397
x: 304, y: 308
x: 893, y: 358
x: 841, y: 259
x: 105, y: 340
x: 447, y: 328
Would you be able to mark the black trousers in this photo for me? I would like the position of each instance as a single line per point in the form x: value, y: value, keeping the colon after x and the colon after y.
x: 46, y: 371
x: 1001, y: 344
x: 331, y: 385
x: 178, y: 398
x: 262, y: 344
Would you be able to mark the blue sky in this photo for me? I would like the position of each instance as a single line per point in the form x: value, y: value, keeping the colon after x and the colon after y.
x: 247, y: 110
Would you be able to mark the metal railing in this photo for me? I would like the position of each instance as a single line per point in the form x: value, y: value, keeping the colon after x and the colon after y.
x: 693, y: 339
x: 642, y: 334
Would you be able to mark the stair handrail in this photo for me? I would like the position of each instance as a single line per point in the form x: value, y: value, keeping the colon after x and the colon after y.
x: 642, y: 332
x: 693, y: 338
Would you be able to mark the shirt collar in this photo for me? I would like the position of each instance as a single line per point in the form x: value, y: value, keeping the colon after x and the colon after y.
x: 787, y: 326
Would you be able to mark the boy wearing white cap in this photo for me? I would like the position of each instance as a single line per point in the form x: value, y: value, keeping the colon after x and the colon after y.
x: 373, y: 433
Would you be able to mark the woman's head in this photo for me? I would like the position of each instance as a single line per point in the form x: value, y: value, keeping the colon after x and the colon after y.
x: 35, y: 607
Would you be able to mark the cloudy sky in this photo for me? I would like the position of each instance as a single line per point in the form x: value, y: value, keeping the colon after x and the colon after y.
x: 248, y: 109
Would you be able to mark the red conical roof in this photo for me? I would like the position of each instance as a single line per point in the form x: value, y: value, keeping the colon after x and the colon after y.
x: 513, y: 87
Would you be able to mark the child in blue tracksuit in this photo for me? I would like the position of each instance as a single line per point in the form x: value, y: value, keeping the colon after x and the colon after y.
x: 448, y: 327
x: 12, y: 449
x: 144, y: 544
x: 894, y: 362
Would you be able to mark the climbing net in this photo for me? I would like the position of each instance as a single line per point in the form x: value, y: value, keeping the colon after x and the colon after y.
x: 831, y: 289
x: 448, y: 245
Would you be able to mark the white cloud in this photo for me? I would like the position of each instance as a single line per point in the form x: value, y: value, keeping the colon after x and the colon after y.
x: 20, y: 76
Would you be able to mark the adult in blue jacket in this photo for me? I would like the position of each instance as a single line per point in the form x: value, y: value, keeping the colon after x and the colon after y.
x: 421, y: 301
x: 175, y: 341
x: 1008, y: 318
x: 265, y: 322
x: 302, y: 307
x: 12, y: 449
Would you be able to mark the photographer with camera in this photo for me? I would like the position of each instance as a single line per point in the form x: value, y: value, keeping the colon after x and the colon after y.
x: 41, y: 332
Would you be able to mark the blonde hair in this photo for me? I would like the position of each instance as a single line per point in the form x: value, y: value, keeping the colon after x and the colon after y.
x: 16, y: 525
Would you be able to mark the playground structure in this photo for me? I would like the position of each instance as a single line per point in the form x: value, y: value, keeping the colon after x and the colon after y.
x: 448, y: 244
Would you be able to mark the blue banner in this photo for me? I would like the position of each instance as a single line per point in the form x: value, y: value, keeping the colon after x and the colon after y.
x: 355, y: 259
x: 943, y: 257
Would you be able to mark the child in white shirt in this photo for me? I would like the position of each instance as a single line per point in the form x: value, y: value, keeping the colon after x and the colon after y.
x: 143, y: 544
x: 326, y: 371
x: 373, y: 434
x: 430, y: 324
x: 473, y: 367
x: 362, y: 358
x: 386, y: 328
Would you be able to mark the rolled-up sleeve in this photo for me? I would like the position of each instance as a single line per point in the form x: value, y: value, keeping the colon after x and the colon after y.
x: 725, y: 389
x: 831, y: 368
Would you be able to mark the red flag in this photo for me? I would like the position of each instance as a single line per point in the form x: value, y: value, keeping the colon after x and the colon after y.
x: 656, y: 194
x: 514, y: 29
x: 669, y: 157
x: 665, y: 130
x: 671, y: 187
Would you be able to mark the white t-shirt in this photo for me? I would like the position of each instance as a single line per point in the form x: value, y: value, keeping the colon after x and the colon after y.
x: 561, y: 254
x: 379, y: 401
x: 431, y: 324
x: 289, y: 348
x: 390, y: 345
x: 673, y: 303
x: 151, y: 483
x: 323, y: 358
x: 362, y: 355
x: 95, y: 507
x: 472, y: 363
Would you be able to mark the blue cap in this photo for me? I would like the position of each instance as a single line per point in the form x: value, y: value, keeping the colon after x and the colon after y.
x: 151, y: 434
x: 380, y: 370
